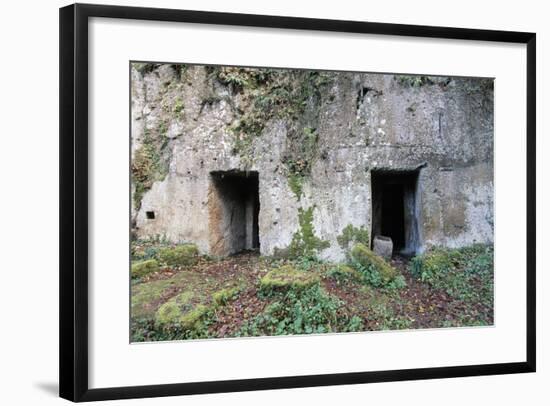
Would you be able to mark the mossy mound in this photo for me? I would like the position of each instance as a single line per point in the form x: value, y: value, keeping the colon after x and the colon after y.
x: 148, y: 296
x: 187, y: 310
x: 143, y: 268
x: 180, y: 255
x: 221, y: 297
x: 368, y: 260
x: 180, y: 311
x: 287, y: 277
x: 343, y: 272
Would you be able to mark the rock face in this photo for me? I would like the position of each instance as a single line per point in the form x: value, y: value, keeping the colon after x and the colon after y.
x: 408, y: 157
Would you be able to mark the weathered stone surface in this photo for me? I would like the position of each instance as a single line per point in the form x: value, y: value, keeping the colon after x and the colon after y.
x: 382, y: 246
x: 361, y: 123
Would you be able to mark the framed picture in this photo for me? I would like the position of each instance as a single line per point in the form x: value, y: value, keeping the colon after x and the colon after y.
x: 256, y: 202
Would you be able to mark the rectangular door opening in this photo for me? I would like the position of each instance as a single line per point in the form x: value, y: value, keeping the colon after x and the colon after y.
x: 234, y: 207
x: 395, y: 209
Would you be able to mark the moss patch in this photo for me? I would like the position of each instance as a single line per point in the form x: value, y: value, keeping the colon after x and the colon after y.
x: 368, y: 261
x: 352, y: 234
x: 300, y: 158
x: 180, y: 255
x: 342, y: 272
x: 296, y: 183
x: 286, y: 278
x: 457, y: 271
x: 171, y: 311
x: 142, y: 268
x: 148, y: 165
x: 223, y: 296
x: 148, y: 296
x: 180, y: 312
x: 304, y: 242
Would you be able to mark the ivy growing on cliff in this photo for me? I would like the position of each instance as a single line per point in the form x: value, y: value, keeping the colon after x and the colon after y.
x: 351, y: 235
x: 266, y: 94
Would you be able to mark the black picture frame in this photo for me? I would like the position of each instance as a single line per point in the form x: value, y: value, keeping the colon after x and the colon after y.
x: 73, y: 282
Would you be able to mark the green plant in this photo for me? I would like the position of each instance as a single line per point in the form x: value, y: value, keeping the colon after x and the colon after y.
x: 304, y: 311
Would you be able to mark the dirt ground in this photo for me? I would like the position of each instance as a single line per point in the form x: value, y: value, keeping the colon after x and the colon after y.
x: 416, y: 306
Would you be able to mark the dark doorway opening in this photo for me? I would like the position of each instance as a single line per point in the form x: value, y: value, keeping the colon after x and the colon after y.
x: 234, y: 208
x: 395, y: 210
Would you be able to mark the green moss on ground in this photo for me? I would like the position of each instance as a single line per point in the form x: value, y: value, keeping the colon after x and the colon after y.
x: 180, y: 255
x: 223, y: 296
x: 456, y: 271
x: 304, y: 241
x: 286, y: 278
x: 181, y: 312
x: 188, y: 312
x: 143, y: 268
x: 342, y: 273
x: 372, y: 266
x: 148, y: 296
x: 172, y: 311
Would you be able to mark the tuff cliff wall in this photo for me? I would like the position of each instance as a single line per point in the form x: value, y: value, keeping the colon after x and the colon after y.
x: 314, y: 138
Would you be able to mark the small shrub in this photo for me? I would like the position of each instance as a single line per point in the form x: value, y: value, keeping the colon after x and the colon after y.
x: 181, y: 255
x: 143, y: 268
x: 309, y: 310
x: 375, y: 270
x: 286, y: 278
x: 355, y: 324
